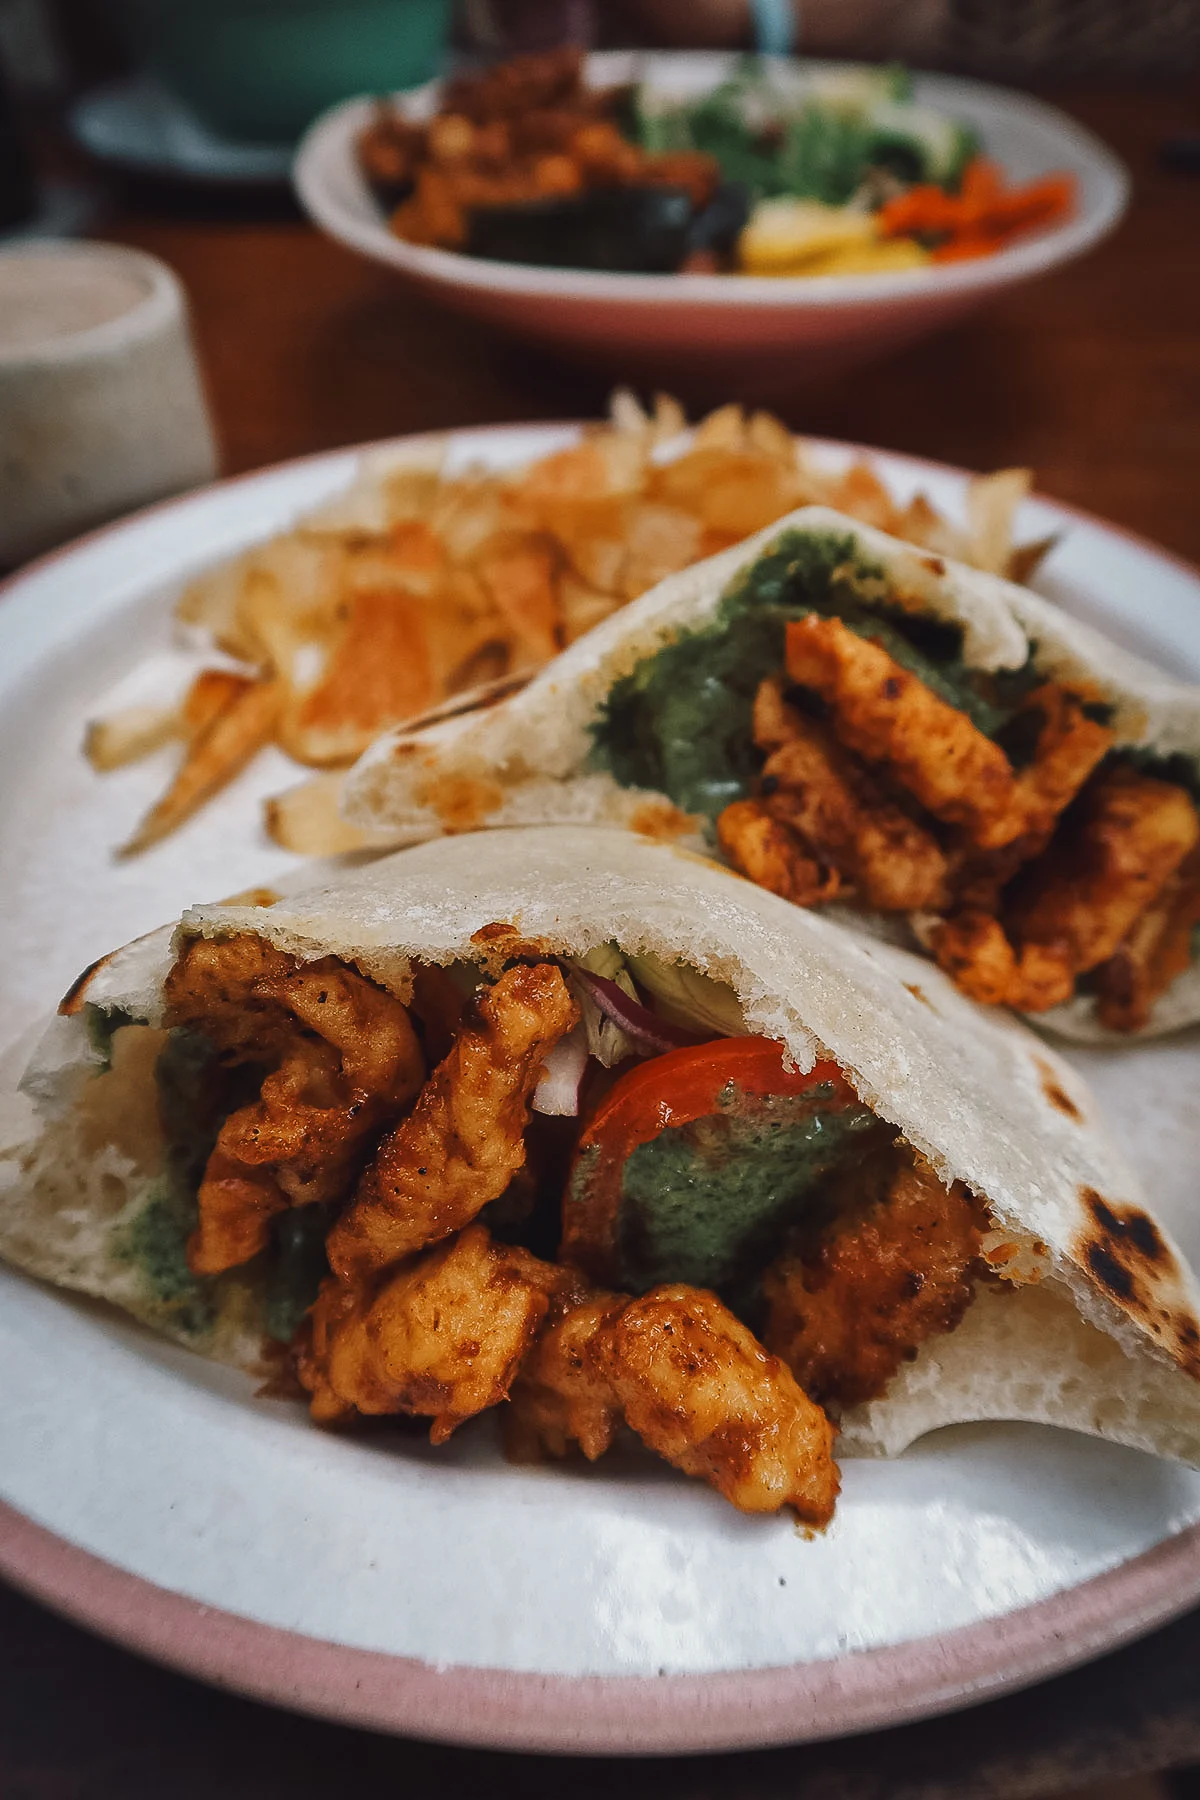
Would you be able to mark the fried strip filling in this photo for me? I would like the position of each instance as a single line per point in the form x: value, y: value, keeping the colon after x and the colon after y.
x: 895, y: 799
x: 839, y: 815
x: 346, y: 1059
x: 1157, y: 949
x: 443, y: 1336
x: 889, y: 716
x: 427, y: 1314
x: 464, y: 1140
x: 694, y: 1384
x: 1101, y: 895
x: 846, y: 1314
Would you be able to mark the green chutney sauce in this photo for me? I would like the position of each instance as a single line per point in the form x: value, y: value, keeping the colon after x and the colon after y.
x: 682, y: 721
x: 710, y: 1203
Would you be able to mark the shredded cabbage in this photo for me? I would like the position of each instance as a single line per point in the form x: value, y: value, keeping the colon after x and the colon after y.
x: 682, y: 996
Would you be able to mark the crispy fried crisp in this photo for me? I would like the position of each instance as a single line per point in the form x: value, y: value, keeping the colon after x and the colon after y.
x: 464, y: 1140
x: 1069, y: 747
x: 845, y: 1316
x: 974, y: 950
x: 700, y: 1389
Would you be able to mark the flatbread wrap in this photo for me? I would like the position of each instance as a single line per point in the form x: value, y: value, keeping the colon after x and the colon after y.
x: 591, y: 1127
x: 855, y: 723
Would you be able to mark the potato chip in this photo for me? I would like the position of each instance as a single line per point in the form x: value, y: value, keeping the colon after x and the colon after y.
x: 724, y: 429
x: 992, y: 502
x: 211, y: 606
x: 658, y: 541
x: 126, y: 736
x: 378, y: 672
x: 519, y: 571
x: 669, y: 421
x: 582, y: 606
x: 1024, y: 560
x: 861, y: 493
x: 211, y: 693
x: 625, y: 412
x: 734, y: 492
x: 769, y: 435
x: 414, y: 585
x: 922, y: 525
x: 217, y: 752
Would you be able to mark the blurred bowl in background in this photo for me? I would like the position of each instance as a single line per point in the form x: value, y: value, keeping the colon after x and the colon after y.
x: 260, y: 70
x: 748, y: 333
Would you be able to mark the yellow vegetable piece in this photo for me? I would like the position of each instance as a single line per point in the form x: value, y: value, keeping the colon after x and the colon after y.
x: 782, y: 236
x: 869, y: 259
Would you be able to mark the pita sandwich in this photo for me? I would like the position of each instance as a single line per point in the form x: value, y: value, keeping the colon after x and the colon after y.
x: 939, y: 754
x: 587, y: 1125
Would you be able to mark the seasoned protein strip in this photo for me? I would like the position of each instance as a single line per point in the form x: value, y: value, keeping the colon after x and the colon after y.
x: 463, y: 1141
x: 341, y: 1056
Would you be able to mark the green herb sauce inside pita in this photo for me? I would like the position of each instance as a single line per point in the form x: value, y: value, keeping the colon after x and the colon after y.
x: 712, y: 1202
x: 681, y: 722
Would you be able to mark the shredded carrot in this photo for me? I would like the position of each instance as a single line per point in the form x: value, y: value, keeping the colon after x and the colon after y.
x: 981, y: 217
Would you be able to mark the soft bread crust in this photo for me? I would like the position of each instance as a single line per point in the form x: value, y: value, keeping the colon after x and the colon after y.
x: 66, y: 1199
x: 524, y: 761
x: 976, y: 1093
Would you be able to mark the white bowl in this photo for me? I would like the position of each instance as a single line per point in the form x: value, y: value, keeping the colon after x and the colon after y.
x: 780, y: 326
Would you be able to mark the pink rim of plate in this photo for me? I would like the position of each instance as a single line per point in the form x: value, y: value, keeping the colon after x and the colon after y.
x: 609, y: 1715
x: 621, y: 1715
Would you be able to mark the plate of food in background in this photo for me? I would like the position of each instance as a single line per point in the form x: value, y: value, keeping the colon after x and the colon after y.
x: 167, y: 681
x: 689, y: 205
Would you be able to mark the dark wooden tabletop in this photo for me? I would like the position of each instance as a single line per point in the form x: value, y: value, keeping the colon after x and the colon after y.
x: 1091, y: 377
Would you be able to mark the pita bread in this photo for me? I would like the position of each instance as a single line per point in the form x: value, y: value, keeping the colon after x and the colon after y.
x: 527, y: 760
x: 1101, y: 1335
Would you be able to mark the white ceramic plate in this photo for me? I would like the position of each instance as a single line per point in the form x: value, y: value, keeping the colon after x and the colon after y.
x: 778, y: 325
x: 447, y: 1593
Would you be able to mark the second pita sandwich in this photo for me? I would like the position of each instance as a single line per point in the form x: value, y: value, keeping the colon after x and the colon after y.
x: 854, y: 723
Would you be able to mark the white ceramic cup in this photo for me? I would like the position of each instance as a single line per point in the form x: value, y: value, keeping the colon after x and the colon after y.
x: 101, y: 405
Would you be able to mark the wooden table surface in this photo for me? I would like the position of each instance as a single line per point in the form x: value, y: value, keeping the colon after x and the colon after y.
x: 1091, y: 377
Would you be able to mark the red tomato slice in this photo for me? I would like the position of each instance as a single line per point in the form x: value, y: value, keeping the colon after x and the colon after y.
x: 668, y: 1090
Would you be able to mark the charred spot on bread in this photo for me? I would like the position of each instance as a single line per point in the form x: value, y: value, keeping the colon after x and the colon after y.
x: 1131, y: 1262
x: 461, y: 802
x: 1129, y: 1225
x: 1109, y: 1272
x: 1057, y: 1095
x: 76, y: 995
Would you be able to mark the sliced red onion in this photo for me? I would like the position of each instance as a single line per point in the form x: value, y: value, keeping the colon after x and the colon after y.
x: 636, y: 1020
x: 557, y: 1091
